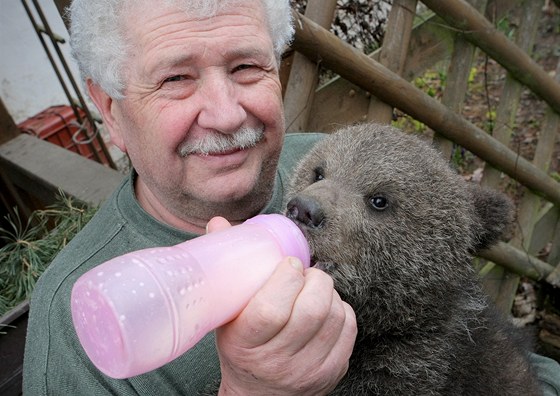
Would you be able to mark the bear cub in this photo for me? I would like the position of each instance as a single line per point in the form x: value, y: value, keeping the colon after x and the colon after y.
x: 397, y: 228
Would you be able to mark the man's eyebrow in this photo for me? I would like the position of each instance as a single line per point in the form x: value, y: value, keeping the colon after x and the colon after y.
x: 182, y: 59
x: 170, y: 62
x: 248, y: 52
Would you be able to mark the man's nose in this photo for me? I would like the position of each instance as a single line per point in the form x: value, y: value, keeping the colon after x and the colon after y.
x: 220, y: 109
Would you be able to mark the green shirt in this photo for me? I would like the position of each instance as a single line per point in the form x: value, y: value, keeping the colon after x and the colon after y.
x: 55, y: 363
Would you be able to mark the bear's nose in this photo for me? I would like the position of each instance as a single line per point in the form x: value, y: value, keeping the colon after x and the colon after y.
x: 306, y: 210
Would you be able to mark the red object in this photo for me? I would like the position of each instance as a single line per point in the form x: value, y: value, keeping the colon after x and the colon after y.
x: 59, y: 125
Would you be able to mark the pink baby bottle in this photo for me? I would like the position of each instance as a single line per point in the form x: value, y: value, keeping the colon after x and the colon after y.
x: 139, y: 311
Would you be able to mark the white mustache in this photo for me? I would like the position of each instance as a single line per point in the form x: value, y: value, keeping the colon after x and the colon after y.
x: 216, y: 142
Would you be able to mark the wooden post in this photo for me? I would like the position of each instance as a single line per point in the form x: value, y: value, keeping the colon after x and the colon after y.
x: 302, y: 82
x: 317, y: 43
x: 457, y: 80
x: 393, y: 52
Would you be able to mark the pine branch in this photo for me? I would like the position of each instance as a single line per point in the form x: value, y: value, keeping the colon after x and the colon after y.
x: 29, y: 248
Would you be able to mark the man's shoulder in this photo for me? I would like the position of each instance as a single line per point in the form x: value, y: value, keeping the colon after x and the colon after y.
x: 304, y: 140
x: 296, y: 145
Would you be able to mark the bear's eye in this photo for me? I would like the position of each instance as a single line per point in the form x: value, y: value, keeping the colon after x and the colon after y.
x: 379, y: 202
x: 319, y: 174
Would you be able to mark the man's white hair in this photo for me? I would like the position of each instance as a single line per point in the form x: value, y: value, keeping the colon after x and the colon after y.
x: 100, y: 48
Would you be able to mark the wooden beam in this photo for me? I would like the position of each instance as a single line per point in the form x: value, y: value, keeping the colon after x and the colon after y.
x: 303, y: 79
x: 43, y: 168
x: 518, y: 261
x: 317, y: 43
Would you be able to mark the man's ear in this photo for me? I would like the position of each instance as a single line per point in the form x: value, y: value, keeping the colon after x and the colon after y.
x: 105, y: 104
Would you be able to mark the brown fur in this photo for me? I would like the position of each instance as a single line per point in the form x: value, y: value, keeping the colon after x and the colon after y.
x: 396, y: 228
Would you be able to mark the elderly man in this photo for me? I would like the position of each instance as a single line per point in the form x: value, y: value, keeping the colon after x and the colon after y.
x: 190, y: 91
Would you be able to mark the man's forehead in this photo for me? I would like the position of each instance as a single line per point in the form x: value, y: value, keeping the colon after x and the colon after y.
x: 168, y: 18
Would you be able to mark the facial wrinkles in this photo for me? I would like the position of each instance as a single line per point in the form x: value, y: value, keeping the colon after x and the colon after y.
x: 172, y: 30
x: 165, y: 42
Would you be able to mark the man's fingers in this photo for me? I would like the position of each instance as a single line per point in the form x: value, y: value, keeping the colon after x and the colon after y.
x: 270, y: 309
x: 317, y: 307
x: 216, y: 224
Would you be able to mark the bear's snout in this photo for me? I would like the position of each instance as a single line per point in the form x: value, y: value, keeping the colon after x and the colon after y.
x: 306, y: 210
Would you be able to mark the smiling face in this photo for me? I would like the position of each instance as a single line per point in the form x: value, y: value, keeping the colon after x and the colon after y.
x: 190, y: 81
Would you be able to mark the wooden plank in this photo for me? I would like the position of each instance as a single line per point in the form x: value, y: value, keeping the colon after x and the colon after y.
x: 551, y: 129
x: 11, y: 355
x: 304, y: 73
x: 545, y: 225
x: 554, y: 254
x: 393, y: 52
x: 338, y: 103
x: 43, y: 168
x: 457, y: 81
x: 12, y: 343
x: 501, y: 285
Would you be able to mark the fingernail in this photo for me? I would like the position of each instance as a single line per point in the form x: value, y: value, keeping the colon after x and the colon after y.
x: 296, y: 263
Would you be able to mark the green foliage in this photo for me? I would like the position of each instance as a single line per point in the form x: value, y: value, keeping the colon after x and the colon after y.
x: 457, y: 158
x: 507, y: 27
x: 431, y: 83
x: 472, y: 75
x: 409, y: 124
x: 490, y: 123
x: 30, y: 248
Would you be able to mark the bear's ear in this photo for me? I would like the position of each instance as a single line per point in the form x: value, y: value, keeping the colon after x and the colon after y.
x: 495, y: 215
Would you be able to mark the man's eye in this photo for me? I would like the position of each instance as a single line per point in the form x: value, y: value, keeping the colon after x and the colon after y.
x: 174, y: 79
x: 242, y: 67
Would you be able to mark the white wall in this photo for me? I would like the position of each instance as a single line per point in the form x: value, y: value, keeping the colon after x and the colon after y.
x: 28, y: 83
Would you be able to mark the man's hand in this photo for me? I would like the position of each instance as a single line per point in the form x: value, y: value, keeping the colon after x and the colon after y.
x: 295, y: 336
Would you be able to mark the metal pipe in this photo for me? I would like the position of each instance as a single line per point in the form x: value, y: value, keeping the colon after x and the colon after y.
x: 84, y: 107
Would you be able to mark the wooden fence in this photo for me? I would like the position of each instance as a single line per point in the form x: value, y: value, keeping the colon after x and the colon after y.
x: 369, y: 88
